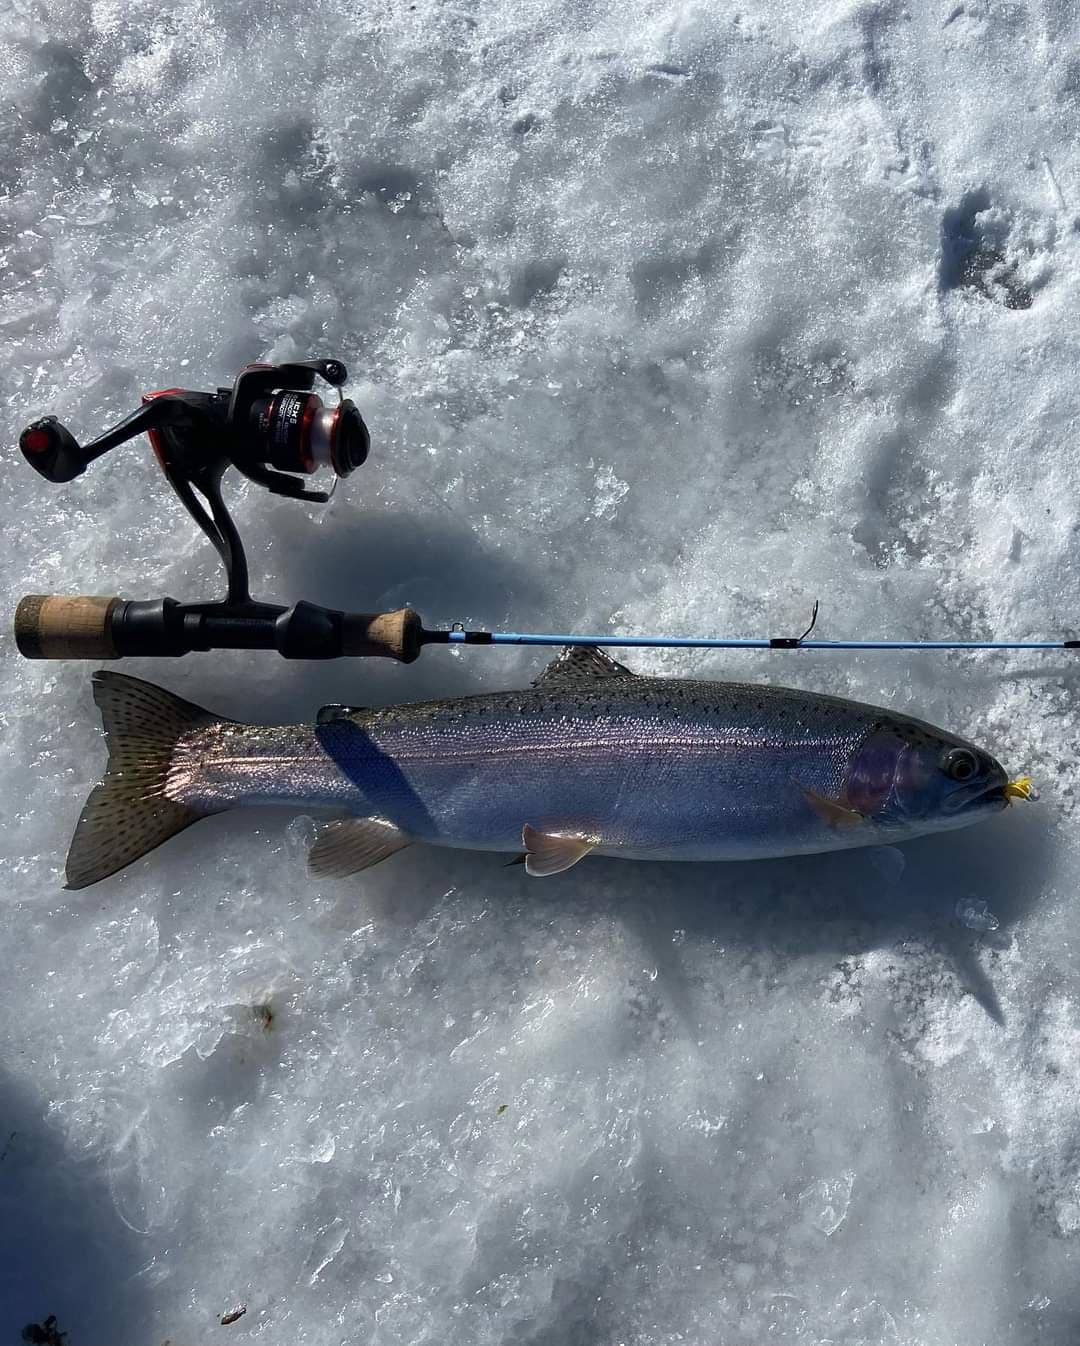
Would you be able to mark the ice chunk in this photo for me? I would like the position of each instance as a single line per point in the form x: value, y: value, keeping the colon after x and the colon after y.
x: 825, y: 1202
x: 975, y: 913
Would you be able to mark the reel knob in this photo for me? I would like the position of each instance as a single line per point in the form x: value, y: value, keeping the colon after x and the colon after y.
x: 52, y: 450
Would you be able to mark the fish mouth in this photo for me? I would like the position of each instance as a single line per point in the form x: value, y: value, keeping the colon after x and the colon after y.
x: 984, y: 794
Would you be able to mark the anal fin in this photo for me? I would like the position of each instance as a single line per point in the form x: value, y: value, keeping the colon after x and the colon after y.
x: 546, y: 853
x: 350, y: 845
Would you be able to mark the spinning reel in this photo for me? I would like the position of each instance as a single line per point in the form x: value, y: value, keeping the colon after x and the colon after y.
x: 270, y: 415
x: 270, y: 426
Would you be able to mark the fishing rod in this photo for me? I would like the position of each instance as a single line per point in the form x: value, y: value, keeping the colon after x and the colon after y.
x: 274, y: 429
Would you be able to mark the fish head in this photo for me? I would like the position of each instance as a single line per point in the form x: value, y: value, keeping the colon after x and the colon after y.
x: 911, y: 774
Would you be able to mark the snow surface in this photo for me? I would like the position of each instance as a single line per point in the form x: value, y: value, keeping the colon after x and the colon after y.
x: 663, y: 317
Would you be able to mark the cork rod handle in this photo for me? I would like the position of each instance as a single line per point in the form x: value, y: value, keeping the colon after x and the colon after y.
x: 390, y: 635
x: 61, y: 626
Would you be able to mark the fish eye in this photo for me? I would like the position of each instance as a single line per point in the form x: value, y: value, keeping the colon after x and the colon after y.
x: 960, y: 764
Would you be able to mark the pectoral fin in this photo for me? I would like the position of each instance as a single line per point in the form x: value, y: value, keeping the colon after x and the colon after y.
x: 350, y: 845
x: 549, y: 854
x: 832, y: 811
x: 889, y: 862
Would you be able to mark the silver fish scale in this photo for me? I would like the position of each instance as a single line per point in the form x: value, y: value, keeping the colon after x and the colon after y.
x: 646, y: 767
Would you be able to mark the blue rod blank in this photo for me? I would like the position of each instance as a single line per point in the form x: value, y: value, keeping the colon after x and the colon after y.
x: 745, y: 643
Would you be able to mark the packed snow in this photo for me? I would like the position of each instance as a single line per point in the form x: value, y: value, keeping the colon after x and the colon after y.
x: 667, y: 318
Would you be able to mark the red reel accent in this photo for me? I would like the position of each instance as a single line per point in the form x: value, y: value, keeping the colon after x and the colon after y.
x: 154, y: 436
x: 36, y: 441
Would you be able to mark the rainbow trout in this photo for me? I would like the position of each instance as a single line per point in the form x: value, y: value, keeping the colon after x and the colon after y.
x: 590, y: 759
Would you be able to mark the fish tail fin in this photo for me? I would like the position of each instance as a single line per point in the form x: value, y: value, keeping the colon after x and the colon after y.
x: 129, y: 813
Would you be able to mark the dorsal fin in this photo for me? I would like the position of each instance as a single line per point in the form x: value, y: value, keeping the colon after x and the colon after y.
x: 337, y: 712
x: 581, y: 663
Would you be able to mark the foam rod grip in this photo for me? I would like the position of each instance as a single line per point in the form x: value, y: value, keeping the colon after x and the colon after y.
x: 393, y: 635
x: 61, y: 626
